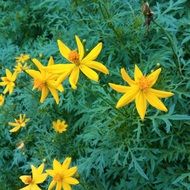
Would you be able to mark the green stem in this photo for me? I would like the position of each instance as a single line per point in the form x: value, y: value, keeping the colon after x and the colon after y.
x: 177, y: 62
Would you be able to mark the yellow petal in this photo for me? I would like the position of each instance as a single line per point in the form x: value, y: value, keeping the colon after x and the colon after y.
x: 8, y: 73
x: 35, y: 187
x: 54, y: 94
x: 44, y: 94
x: 160, y: 93
x: 24, y: 178
x: 51, y: 185
x: 66, y: 186
x: 97, y: 66
x: 119, y: 88
x: 38, y: 64
x: 59, y: 185
x: 153, y: 77
x: 51, y: 172
x: 56, y: 165
x: 93, y: 53
x: 71, y: 180
x: 71, y: 171
x: 15, y: 129
x: 28, y: 187
x: 66, y: 163
x: 51, y: 61
x: 155, y: 101
x: 80, y: 47
x: 64, y: 50
x: 60, y: 68
x: 40, y: 178
x: 141, y: 104
x: 126, y: 77
x: 73, y: 79
x: 33, y: 73
x: 127, y: 97
x: 138, y: 74
x: 62, y: 77
x: 89, y: 73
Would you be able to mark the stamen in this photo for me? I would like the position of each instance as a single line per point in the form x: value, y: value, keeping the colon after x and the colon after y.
x: 74, y: 57
x: 144, y: 83
x: 28, y: 180
x: 39, y: 84
x: 57, y: 177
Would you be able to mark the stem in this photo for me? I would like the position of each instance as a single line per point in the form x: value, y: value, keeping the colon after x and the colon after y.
x: 177, y: 62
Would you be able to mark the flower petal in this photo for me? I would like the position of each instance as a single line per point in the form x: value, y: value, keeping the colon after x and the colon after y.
x: 60, y: 68
x: 71, y: 180
x: 24, y: 179
x: 126, y: 77
x: 141, y: 104
x: 127, y: 97
x: 80, y: 47
x: 44, y: 94
x: 93, y: 53
x: 160, y: 93
x: 66, y: 186
x: 138, y: 74
x: 71, y: 171
x: 51, y: 61
x: 54, y: 94
x: 15, y: 129
x: 38, y: 64
x: 66, y: 163
x: 89, y: 73
x: 119, y: 88
x: 59, y: 185
x: 73, y: 79
x: 155, y: 101
x: 56, y: 165
x: 153, y: 77
x: 97, y: 66
x: 33, y: 73
x: 8, y: 73
x: 64, y: 50
x: 51, y: 185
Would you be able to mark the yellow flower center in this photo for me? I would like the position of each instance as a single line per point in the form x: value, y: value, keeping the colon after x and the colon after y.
x: 7, y: 80
x: 58, y: 177
x: 74, y: 57
x: 144, y: 83
x: 28, y: 180
x: 39, y: 84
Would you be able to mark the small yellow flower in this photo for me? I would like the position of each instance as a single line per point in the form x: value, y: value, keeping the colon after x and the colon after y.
x: 79, y: 62
x: 8, y: 81
x: 20, y: 67
x: 141, y: 91
x: 46, y: 81
x: 33, y: 180
x: 22, y: 58
x: 2, y: 99
x: 60, y: 126
x: 19, y: 123
x: 62, y: 175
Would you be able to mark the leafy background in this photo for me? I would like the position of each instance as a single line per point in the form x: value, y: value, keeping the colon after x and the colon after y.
x: 113, y: 149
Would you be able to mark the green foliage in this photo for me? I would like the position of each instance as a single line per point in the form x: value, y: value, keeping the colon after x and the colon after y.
x: 113, y: 148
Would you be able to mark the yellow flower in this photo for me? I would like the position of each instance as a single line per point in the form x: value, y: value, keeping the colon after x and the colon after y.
x: 79, y: 62
x: 141, y: 91
x: 37, y: 177
x: 45, y: 81
x: 20, y: 67
x: 8, y: 81
x: 2, y: 99
x: 62, y: 175
x: 60, y: 126
x: 19, y: 123
x: 22, y: 58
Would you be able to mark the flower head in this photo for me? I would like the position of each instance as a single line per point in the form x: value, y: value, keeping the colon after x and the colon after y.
x: 45, y: 81
x: 62, y: 175
x: 60, y: 126
x: 20, y: 67
x: 79, y: 62
x: 141, y: 91
x: 36, y: 178
x: 22, y: 58
x: 2, y: 99
x: 19, y: 123
x: 8, y: 81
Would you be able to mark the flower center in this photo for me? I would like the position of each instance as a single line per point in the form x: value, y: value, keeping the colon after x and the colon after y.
x: 7, y: 79
x: 74, y: 57
x: 29, y: 180
x: 39, y: 84
x: 58, y: 177
x: 144, y: 83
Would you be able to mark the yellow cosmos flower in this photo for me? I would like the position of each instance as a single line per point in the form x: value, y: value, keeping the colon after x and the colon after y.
x: 141, y: 91
x: 2, y: 99
x: 60, y: 126
x: 8, y: 81
x: 37, y: 177
x: 19, y: 123
x: 62, y: 175
x: 79, y: 62
x: 22, y: 58
x: 20, y: 67
x: 45, y: 81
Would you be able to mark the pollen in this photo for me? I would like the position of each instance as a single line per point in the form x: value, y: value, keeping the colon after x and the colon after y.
x: 39, y: 84
x: 28, y: 180
x: 144, y: 83
x: 58, y: 177
x: 74, y: 57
